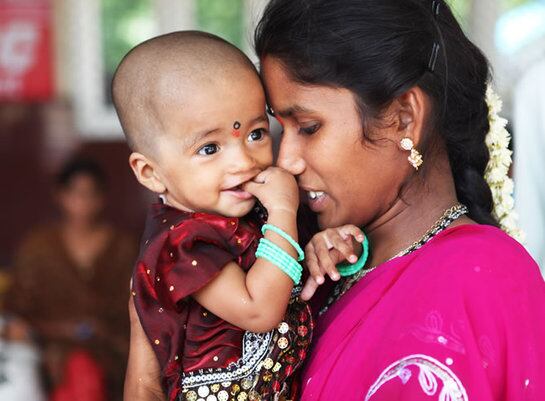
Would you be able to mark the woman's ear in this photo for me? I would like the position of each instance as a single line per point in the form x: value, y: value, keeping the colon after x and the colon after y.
x: 411, y: 111
x: 146, y: 173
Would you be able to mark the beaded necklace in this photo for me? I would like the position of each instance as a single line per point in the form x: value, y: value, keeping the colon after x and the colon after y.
x: 444, y: 221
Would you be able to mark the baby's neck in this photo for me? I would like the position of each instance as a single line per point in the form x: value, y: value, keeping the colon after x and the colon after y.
x: 176, y: 205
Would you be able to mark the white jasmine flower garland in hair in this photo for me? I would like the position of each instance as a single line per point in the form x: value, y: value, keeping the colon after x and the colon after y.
x: 497, y: 170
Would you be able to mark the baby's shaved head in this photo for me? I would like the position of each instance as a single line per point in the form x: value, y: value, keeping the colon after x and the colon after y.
x: 163, y: 72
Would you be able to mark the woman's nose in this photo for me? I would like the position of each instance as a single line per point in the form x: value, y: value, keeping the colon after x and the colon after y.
x: 290, y: 155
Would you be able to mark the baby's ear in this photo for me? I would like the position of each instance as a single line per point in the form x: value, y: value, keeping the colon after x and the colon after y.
x: 146, y: 173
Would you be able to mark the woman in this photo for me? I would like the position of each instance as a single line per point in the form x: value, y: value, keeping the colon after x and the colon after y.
x: 384, y: 115
x: 70, y: 284
x: 369, y: 81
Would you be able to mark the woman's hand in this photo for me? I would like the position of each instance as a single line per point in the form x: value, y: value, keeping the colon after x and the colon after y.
x: 142, y: 380
x: 327, y: 249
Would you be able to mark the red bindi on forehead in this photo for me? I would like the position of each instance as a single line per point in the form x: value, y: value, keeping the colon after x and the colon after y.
x: 236, y: 129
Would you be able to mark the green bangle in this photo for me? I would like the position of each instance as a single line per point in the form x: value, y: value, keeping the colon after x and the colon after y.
x: 287, y: 237
x: 292, y: 273
x: 347, y: 269
x: 280, y: 258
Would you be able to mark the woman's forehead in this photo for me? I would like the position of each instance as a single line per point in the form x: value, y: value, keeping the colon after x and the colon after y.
x: 289, y: 97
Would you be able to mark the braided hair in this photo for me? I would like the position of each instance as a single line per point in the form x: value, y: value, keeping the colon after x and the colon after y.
x: 379, y: 49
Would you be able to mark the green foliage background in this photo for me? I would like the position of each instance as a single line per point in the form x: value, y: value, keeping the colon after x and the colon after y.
x: 223, y: 18
x: 125, y: 23
x: 128, y: 22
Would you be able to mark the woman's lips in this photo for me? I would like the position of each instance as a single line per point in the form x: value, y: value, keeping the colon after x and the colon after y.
x: 317, y: 200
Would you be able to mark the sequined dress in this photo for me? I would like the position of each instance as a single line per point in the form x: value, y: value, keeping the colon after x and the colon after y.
x: 203, y: 357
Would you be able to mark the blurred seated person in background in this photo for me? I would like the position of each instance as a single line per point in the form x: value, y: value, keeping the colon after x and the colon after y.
x: 19, y: 359
x: 71, y: 280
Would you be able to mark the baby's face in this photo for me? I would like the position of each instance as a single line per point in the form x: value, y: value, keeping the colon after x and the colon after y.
x: 214, y: 143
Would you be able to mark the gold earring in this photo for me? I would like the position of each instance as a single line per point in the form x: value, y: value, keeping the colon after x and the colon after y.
x: 415, y: 157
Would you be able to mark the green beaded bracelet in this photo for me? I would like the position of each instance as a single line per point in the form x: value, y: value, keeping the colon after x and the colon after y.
x: 347, y: 269
x: 280, y: 258
x: 287, y: 237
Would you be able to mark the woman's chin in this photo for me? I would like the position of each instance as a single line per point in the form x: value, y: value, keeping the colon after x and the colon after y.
x: 332, y: 218
x: 326, y: 219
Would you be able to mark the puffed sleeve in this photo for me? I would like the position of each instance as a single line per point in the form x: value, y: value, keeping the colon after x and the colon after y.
x: 194, y: 253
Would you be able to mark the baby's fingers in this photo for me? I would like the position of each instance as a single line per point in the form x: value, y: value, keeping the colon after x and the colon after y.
x: 312, y: 264
x: 309, y: 289
x: 352, y: 230
x: 327, y: 264
x: 343, y: 246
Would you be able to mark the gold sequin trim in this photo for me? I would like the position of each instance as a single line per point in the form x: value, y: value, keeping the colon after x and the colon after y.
x: 243, y: 396
x: 283, y: 343
x: 215, y: 387
x: 283, y: 328
x: 191, y: 396
x: 268, y: 363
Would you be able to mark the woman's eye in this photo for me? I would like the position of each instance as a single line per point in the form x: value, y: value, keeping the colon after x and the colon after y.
x: 209, y: 149
x: 310, y: 129
x: 256, y: 135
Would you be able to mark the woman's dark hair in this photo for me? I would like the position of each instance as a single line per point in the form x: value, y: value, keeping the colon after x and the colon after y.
x: 81, y: 166
x: 379, y: 49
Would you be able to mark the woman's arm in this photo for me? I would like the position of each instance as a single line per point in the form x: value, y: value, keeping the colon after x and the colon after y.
x: 142, y: 380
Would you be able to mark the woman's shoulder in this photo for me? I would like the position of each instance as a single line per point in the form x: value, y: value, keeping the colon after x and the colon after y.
x: 41, y: 234
x: 479, y: 256
x: 474, y: 243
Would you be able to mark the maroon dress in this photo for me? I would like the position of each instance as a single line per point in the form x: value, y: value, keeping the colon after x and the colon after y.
x: 203, y: 357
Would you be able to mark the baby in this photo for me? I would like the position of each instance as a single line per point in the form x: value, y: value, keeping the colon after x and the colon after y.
x: 213, y: 283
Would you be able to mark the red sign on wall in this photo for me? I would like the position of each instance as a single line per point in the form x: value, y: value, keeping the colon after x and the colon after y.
x: 25, y: 50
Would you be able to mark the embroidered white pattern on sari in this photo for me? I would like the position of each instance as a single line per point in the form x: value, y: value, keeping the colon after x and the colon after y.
x: 430, y: 370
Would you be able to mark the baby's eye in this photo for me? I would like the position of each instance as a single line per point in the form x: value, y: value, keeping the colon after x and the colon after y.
x: 257, y: 135
x: 208, y: 149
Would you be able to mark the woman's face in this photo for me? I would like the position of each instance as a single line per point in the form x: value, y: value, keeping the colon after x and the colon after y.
x: 81, y: 200
x: 344, y: 179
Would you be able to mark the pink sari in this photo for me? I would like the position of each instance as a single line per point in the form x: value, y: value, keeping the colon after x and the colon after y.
x: 462, y: 318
